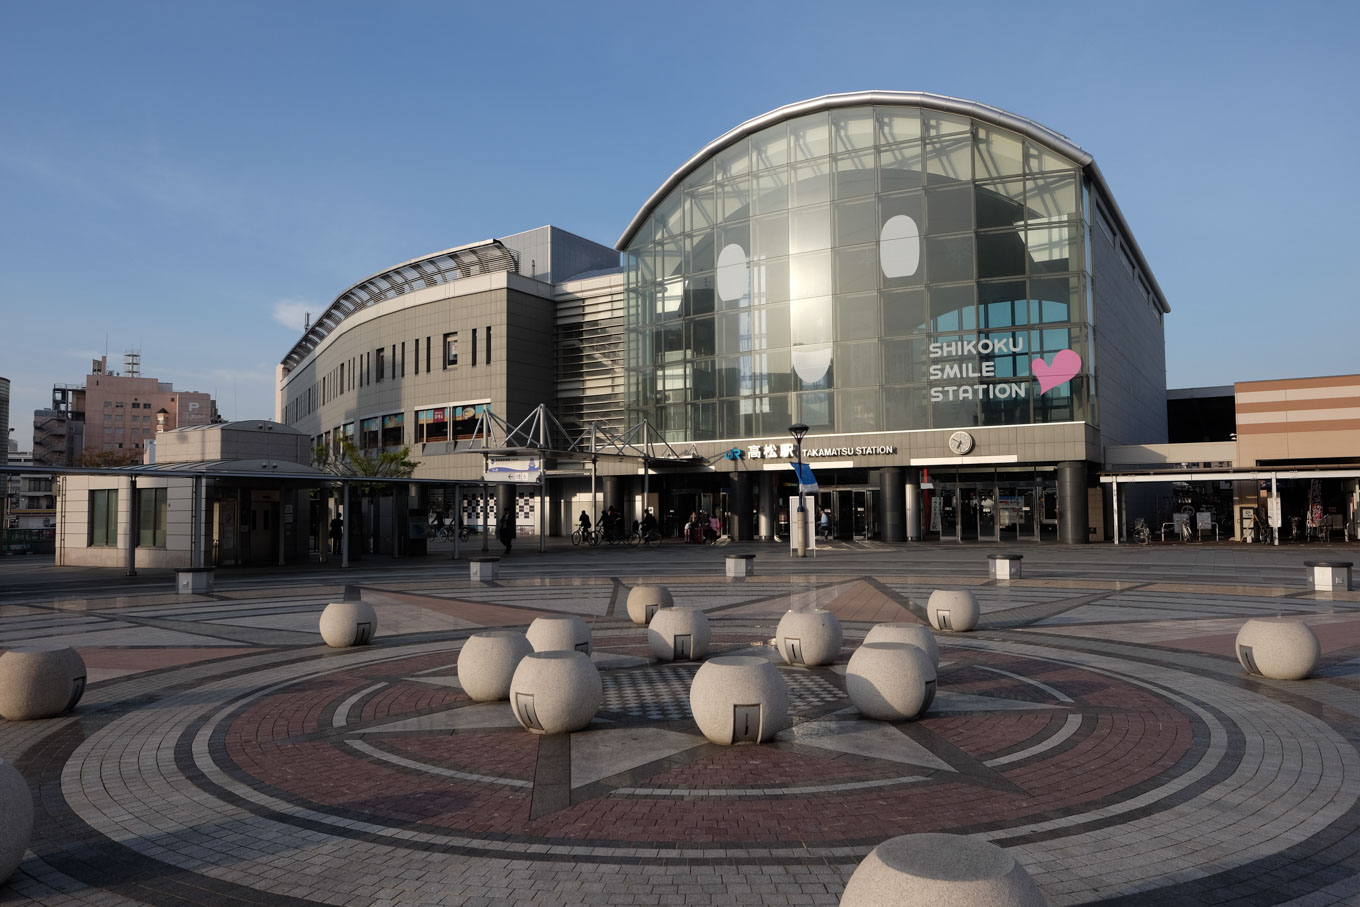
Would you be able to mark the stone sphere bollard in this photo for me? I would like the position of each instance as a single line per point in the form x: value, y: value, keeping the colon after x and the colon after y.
x: 918, y: 635
x: 809, y: 637
x: 559, y: 633
x: 16, y: 828
x: 345, y: 624
x: 739, y: 699
x: 1278, y: 648
x: 951, y: 609
x: 40, y: 681
x: 941, y: 870
x: 890, y: 681
x: 677, y: 634
x: 645, y: 601
x: 487, y: 662
x: 555, y: 692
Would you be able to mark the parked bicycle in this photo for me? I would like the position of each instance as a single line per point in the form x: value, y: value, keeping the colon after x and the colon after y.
x: 1142, y: 533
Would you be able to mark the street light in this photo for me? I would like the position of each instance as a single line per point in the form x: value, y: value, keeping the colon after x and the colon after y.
x: 798, y: 431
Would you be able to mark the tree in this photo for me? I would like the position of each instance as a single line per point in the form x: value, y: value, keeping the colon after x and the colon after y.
x: 351, y: 461
x: 106, y: 459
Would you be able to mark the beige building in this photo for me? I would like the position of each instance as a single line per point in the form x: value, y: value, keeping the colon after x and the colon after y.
x: 127, y: 411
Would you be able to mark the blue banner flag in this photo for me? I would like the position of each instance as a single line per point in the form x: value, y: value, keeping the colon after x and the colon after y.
x: 807, y: 482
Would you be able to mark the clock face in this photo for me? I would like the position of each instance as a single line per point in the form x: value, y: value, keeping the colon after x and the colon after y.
x: 960, y: 442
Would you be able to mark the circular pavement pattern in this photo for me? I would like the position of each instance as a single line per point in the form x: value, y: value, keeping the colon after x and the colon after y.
x: 369, y: 774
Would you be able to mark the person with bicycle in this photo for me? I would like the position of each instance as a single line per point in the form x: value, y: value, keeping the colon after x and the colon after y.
x: 584, y: 523
x: 648, y: 524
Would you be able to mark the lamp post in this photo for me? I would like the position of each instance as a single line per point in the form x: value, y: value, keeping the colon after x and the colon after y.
x: 798, y: 431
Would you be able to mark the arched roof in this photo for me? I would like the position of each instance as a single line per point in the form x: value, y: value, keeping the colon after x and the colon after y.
x: 1036, y: 132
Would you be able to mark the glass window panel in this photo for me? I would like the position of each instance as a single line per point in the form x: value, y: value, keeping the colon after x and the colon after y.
x: 905, y: 360
x: 701, y: 175
x: 1053, y: 298
x: 732, y: 333
x: 858, y: 409
x: 734, y: 199
x: 897, y: 124
x: 853, y: 128
x: 1051, y: 199
x: 950, y: 159
x: 772, y: 415
x: 700, y: 210
x: 901, y: 167
x: 771, y: 191
x: 934, y: 123
x: 701, y: 336
x: 904, y: 312
x: 904, y: 408
x: 856, y: 174
x: 997, y: 153
x: 811, y: 183
x: 1002, y: 304
x: 734, y: 421
x: 999, y: 204
x: 770, y: 327
x: 699, y: 250
x: 770, y: 236
x: 953, y: 308
x: 1000, y: 254
x: 670, y: 258
x: 949, y: 210
x: 1039, y: 159
x: 856, y: 221
x: 816, y: 411
x: 732, y: 160
x: 705, y: 380
x: 769, y: 280
x: 857, y: 269
x: 669, y: 296
x: 857, y: 364
x: 857, y: 317
x: 1053, y: 249
x: 810, y: 320
x: 738, y: 234
x: 670, y: 216
x: 810, y: 275
x: 770, y: 147
x: 810, y: 229
x: 809, y: 137
x: 949, y: 258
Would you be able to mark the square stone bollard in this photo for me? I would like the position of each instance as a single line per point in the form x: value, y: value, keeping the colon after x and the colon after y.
x: 483, y: 569
x: 740, y: 565
x: 1329, y: 576
x: 1004, y: 566
x: 193, y: 580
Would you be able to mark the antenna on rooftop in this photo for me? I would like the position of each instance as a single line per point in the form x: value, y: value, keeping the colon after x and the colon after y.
x: 132, y: 363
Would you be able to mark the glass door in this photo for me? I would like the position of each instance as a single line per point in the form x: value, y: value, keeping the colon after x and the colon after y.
x: 1015, y: 513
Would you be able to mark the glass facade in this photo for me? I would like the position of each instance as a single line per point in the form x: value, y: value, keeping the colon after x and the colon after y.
x: 863, y: 269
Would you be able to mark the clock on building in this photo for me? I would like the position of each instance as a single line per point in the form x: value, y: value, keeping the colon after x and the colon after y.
x: 960, y: 442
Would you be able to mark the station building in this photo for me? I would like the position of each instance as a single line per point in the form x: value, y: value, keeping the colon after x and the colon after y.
x: 946, y: 294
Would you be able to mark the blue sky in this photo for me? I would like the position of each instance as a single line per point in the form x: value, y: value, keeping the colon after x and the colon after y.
x: 187, y: 177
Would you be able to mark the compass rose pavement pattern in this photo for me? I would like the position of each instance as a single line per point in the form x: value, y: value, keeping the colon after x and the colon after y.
x: 1098, y: 729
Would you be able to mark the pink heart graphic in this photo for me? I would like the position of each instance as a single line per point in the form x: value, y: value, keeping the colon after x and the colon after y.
x: 1065, y: 366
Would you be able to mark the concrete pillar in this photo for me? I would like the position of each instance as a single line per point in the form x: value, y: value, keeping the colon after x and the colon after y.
x: 1072, y: 503
x: 914, y: 518
x: 769, y: 507
x: 613, y: 494
x: 132, y: 528
x: 505, y: 503
x: 740, y: 496
x: 893, y: 502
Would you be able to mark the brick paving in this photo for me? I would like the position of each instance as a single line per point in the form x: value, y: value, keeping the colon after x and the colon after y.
x: 1096, y: 724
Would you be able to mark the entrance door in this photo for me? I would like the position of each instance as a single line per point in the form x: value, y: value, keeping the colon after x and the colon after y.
x: 845, y: 515
x: 1015, y: 513
x: 977, y: 513
x: 263, y: 524
x: 1048, y: 511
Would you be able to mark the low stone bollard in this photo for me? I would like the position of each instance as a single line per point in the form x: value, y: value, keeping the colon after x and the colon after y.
x: 487, y: 663
x: 1329, y: 576
x: 555, y: 692
x: 740, y: 565
x: 890, y: 681
x: 679, y: 634
x: 40, y: 681
x: 918, y: 635
x: 483, y: 569
x: 559, y: 633
x: 941, y: 870
x: 346, y: 624
x: 953, y: 609
x: 16, y: 829
x: 645, y: 601
x: 809, y: 637
x: 1004, y: 566
x: 1278, y: 647
x: 739, y: 699
x: 194, y: 580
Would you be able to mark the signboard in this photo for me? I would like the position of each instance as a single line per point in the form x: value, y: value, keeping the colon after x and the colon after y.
x: 520, y: 470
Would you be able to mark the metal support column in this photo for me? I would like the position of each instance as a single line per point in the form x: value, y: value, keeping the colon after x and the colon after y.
x: 344, y: 526
x: 1115, y: 488
x: 131, y: 567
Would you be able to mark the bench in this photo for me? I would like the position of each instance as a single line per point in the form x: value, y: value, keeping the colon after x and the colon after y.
x: 1329, y: 576
x: 194, y: 580
x: 483, y: 569
x: 1004, y: 566
x: 739, y: 565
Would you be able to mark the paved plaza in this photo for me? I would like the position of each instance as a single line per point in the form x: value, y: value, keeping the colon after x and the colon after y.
x: 1096, y: 724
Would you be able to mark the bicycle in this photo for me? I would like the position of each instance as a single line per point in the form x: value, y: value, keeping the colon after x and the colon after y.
x: 465, y: 531
x: 589, y: 537
x: 1141, y: 533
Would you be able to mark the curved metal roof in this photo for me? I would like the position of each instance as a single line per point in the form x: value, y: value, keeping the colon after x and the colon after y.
x: 427, y: 271
x: 1036, y: 132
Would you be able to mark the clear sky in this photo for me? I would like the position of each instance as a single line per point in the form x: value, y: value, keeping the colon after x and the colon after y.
x: 189, y: 177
